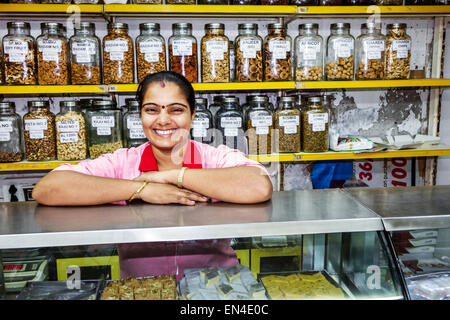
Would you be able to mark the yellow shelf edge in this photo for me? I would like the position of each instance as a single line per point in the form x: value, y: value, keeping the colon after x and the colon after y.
x: 372, y: 84
x: 48, y: 89
x: 54, y: 8
x: 333, y: 10
x: 179, y: 8
x: 435, y: 151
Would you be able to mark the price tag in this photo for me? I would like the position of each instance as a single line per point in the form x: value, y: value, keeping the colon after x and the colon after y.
x: 67, y: 126
x: 6, y: 126
x: 182, y: 47
x: 249, y: 48
x: 231, y: 122
x: 103, y: 121
x: 36, y: 124
x: 137, y: 133
x: 68, y: 137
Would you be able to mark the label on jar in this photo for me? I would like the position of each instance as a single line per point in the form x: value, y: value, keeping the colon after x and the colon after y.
x: 103, y: 131
x: 262, y: 121
x: 279, y: 48
x: 200, y: 123
x: 5, y: 136
x: 36, y: 124
x: 50, y: 49
x: 402, y: 48
x: 310, y: 49
x: 103, y: 121
x: 182, y: 47
x: 136, y: 133
x: 199, y: 132
x: 343, y: 47
x: 83, y: 51
x: 36, y: 134
x: 116, y: 48
x: 68, y: 126
x: 262, y: 130
x: 373, y: 48
x: 318, y: 121
x: 231, y: 122
x: 216, y: 49
x: 151, y: 50
x: 68, y: 137
x: 290, y: 129
x: 134, y: 123
x: 249, y: 48
x: 16, y: 50
x: 6, y: 126
x: 285, y: 121
x: 231, y: 132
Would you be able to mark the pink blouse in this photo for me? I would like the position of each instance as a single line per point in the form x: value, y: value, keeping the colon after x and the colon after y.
x: 155, y: 258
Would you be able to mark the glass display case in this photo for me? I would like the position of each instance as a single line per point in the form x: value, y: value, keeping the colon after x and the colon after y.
x: 313, y: 243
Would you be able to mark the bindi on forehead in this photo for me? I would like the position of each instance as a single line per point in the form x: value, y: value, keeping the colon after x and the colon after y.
x: 162, y: 84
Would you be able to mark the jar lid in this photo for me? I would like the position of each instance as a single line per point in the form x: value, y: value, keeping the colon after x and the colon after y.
x: 258, y: 98
x: 276, y: 26
x: 230, y: 100
x: 18, y: 24
x: 340, y: 25
x: 117, y: 25
x: 396, y: 25
x: 370, y: 25
x: 315, y: 99
x: 68, y: 103
x: 38, y: 104
x: 132, y: 102
x: 214, y: 26
x: 7, y: 105
x: 103, y: 103
x: 86, y: 25
x: 149, y: 26
x: 245, y: 26
x: 182, y: 25
x: 288, y: 99
x: 308, y: 26
x: 52, y: 25
x: 201, y: 100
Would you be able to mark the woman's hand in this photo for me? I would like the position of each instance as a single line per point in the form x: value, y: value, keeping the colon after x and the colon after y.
x: 160, y: 193
x: 168, y: 177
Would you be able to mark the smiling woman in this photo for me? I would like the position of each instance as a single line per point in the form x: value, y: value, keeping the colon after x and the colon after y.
x: 169, y: 168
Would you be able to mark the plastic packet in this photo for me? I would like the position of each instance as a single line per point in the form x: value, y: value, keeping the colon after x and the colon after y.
x: 350, y: 143
x: 435, y: 286
x: 58, y: 290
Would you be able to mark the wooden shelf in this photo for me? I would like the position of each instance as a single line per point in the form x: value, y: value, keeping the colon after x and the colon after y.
x: 424, y: 151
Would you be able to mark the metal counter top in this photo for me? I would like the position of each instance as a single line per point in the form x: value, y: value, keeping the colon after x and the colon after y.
x: 407, y: 208
x: 26, y: 224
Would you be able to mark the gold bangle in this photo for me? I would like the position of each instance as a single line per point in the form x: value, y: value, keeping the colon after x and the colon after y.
x: 180, y: 177
x: 134, y: 195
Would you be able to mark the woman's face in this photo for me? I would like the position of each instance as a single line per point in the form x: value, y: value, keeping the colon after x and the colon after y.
x: 166, y: 117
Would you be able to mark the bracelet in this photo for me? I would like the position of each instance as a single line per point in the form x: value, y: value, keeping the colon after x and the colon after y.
x: 180, y: 177
x: 134, y: 195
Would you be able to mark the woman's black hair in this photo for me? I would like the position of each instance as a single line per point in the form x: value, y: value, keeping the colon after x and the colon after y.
x: 169, y: 76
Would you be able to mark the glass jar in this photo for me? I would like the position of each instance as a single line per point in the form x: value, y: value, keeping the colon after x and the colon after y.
x: 213, y: 2
x: 180, y: 1
x: 230, y: 123
x: 232, y: 60
x: 331, y: 2
x: 245, y: 2
x: 85, y: 55
x: 304, y: 2
x: 39, y: 132
x: 398, y: 52
x: 183, y: 51
x: 314, y: 126
x: 11, y: 148
x: 388, y: 2
x: 308, y: 53
x: 215, y: 63
x: 133, y: 133
x: 150, y: 50
x: 249, y: 100
x: 216, y: 105
x: 370, y: 46
x: 52, y: 55
x: 287, y: 126
x: 275, y: 2
x: 118, y: 55
x: 248, y: 50
x: 1, y: 65
x: 340, y: 51
x: 277, y: 54
x: 104, y: 128
x: 23, y: 1
x: 71, y: 132
x: 19, y: 54
x: 56, y: 1
x: 147, y: 1
x: 85, y: 1
x: 259, y: 124
x: 202, y: 123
